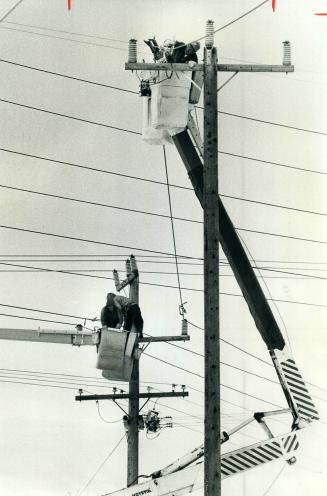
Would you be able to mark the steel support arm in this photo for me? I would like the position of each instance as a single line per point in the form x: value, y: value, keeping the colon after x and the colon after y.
x: 70, y: 337
x: 50, y: 336
x: 233, y: 249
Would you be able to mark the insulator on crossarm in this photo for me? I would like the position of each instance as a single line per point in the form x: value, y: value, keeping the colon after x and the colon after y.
x: 184, y: 327
x: 287, y: 53
x: 132, y: 50
x: 209, y: 40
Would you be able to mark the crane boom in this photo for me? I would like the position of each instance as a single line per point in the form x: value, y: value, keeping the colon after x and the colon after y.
x: 191, y: 478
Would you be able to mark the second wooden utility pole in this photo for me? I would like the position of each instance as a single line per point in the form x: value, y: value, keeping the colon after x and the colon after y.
x: 134, y: 403
x: 212, y: 476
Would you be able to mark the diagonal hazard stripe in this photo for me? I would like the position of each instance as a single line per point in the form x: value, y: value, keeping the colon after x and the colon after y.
x: 240, y: 461
x: 271, y: 454
x: 248, y: 460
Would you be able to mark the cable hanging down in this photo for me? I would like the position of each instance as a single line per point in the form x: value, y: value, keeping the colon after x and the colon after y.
x: 181, y: 306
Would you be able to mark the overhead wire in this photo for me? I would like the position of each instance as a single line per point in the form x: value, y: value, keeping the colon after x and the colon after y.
x: 68, y: 32
x: 202, y: 377
x: 251, y: 354
x: 66, y: 76
x: 241, y: 16
x: 254, y: 119
x: 81, y: 491
x: 80, y: 42
x: 316, y: 305
x: 66, y: 116
x: 274, y: 480
x: 269, y: 162
x: 103, y: 419
x: 97, y: 204
x: 256, y: 7
x: 173, y: 230
x: 35, y: 319
x: 155, y: 214
x: 73, y: 238
x: 10, y: 10
x: 45, y: 311
x: 268, y: 290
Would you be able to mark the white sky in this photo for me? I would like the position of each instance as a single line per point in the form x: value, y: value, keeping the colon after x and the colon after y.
x: 50, y: 444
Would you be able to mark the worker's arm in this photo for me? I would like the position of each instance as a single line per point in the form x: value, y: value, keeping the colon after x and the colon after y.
x: 102, y: 317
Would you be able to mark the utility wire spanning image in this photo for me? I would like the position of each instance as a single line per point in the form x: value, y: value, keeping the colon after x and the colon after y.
x: 82, y: 191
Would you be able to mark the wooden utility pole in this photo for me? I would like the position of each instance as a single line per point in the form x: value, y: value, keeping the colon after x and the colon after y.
x: 134, y: 391
x: 132, y: 280
x: 212, y: 477
x: 204, y: 178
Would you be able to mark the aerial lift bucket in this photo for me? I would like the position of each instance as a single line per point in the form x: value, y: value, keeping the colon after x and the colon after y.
x: 116, y: 354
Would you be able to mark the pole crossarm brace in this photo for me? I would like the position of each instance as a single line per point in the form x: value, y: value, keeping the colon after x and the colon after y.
x: 176, y: 67
x: 254, y: 68
x: 130, y: 278
x: 162, y: 339
x: 125, y: 396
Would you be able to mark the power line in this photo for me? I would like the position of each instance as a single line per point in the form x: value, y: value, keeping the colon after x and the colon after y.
x: 268, y: 162
x: 100, y: 466
x: 252, y: 355
x: 92, y: 241
x: 38, y: 385
x: 241, y: 16
x: 224, y: 363
x: 32, y: 318
x: 43, y: 35
x: 272, y: 123
x: 67, y: 32
x: 97, y: 204
x: 130, y: 91
x: 274, y: 480
x: 173, y: 232
x: 169, y: 259
x: 59, y: 381
x: 234, y: 346
x: 103, y: 171
x: 44, y: 311
x: 66, y: 76
x: 161, y: 285
x: 202, y: 377
x: 138, y: 178
x: 265, y: 233
x: 69, y: 117
x: 11, y: 10
x: 84, y: 271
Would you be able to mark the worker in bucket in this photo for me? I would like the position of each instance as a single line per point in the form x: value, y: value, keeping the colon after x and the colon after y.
x: 129, y: 310
x: 174, y: 51
x: 111, y: 316
x: 155, y: 49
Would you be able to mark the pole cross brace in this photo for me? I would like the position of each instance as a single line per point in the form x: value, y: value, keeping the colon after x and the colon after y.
x: 179, y: 67
x: 130, y: 396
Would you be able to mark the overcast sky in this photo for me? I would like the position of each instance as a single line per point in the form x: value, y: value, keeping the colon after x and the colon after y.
x: 50, y: 444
